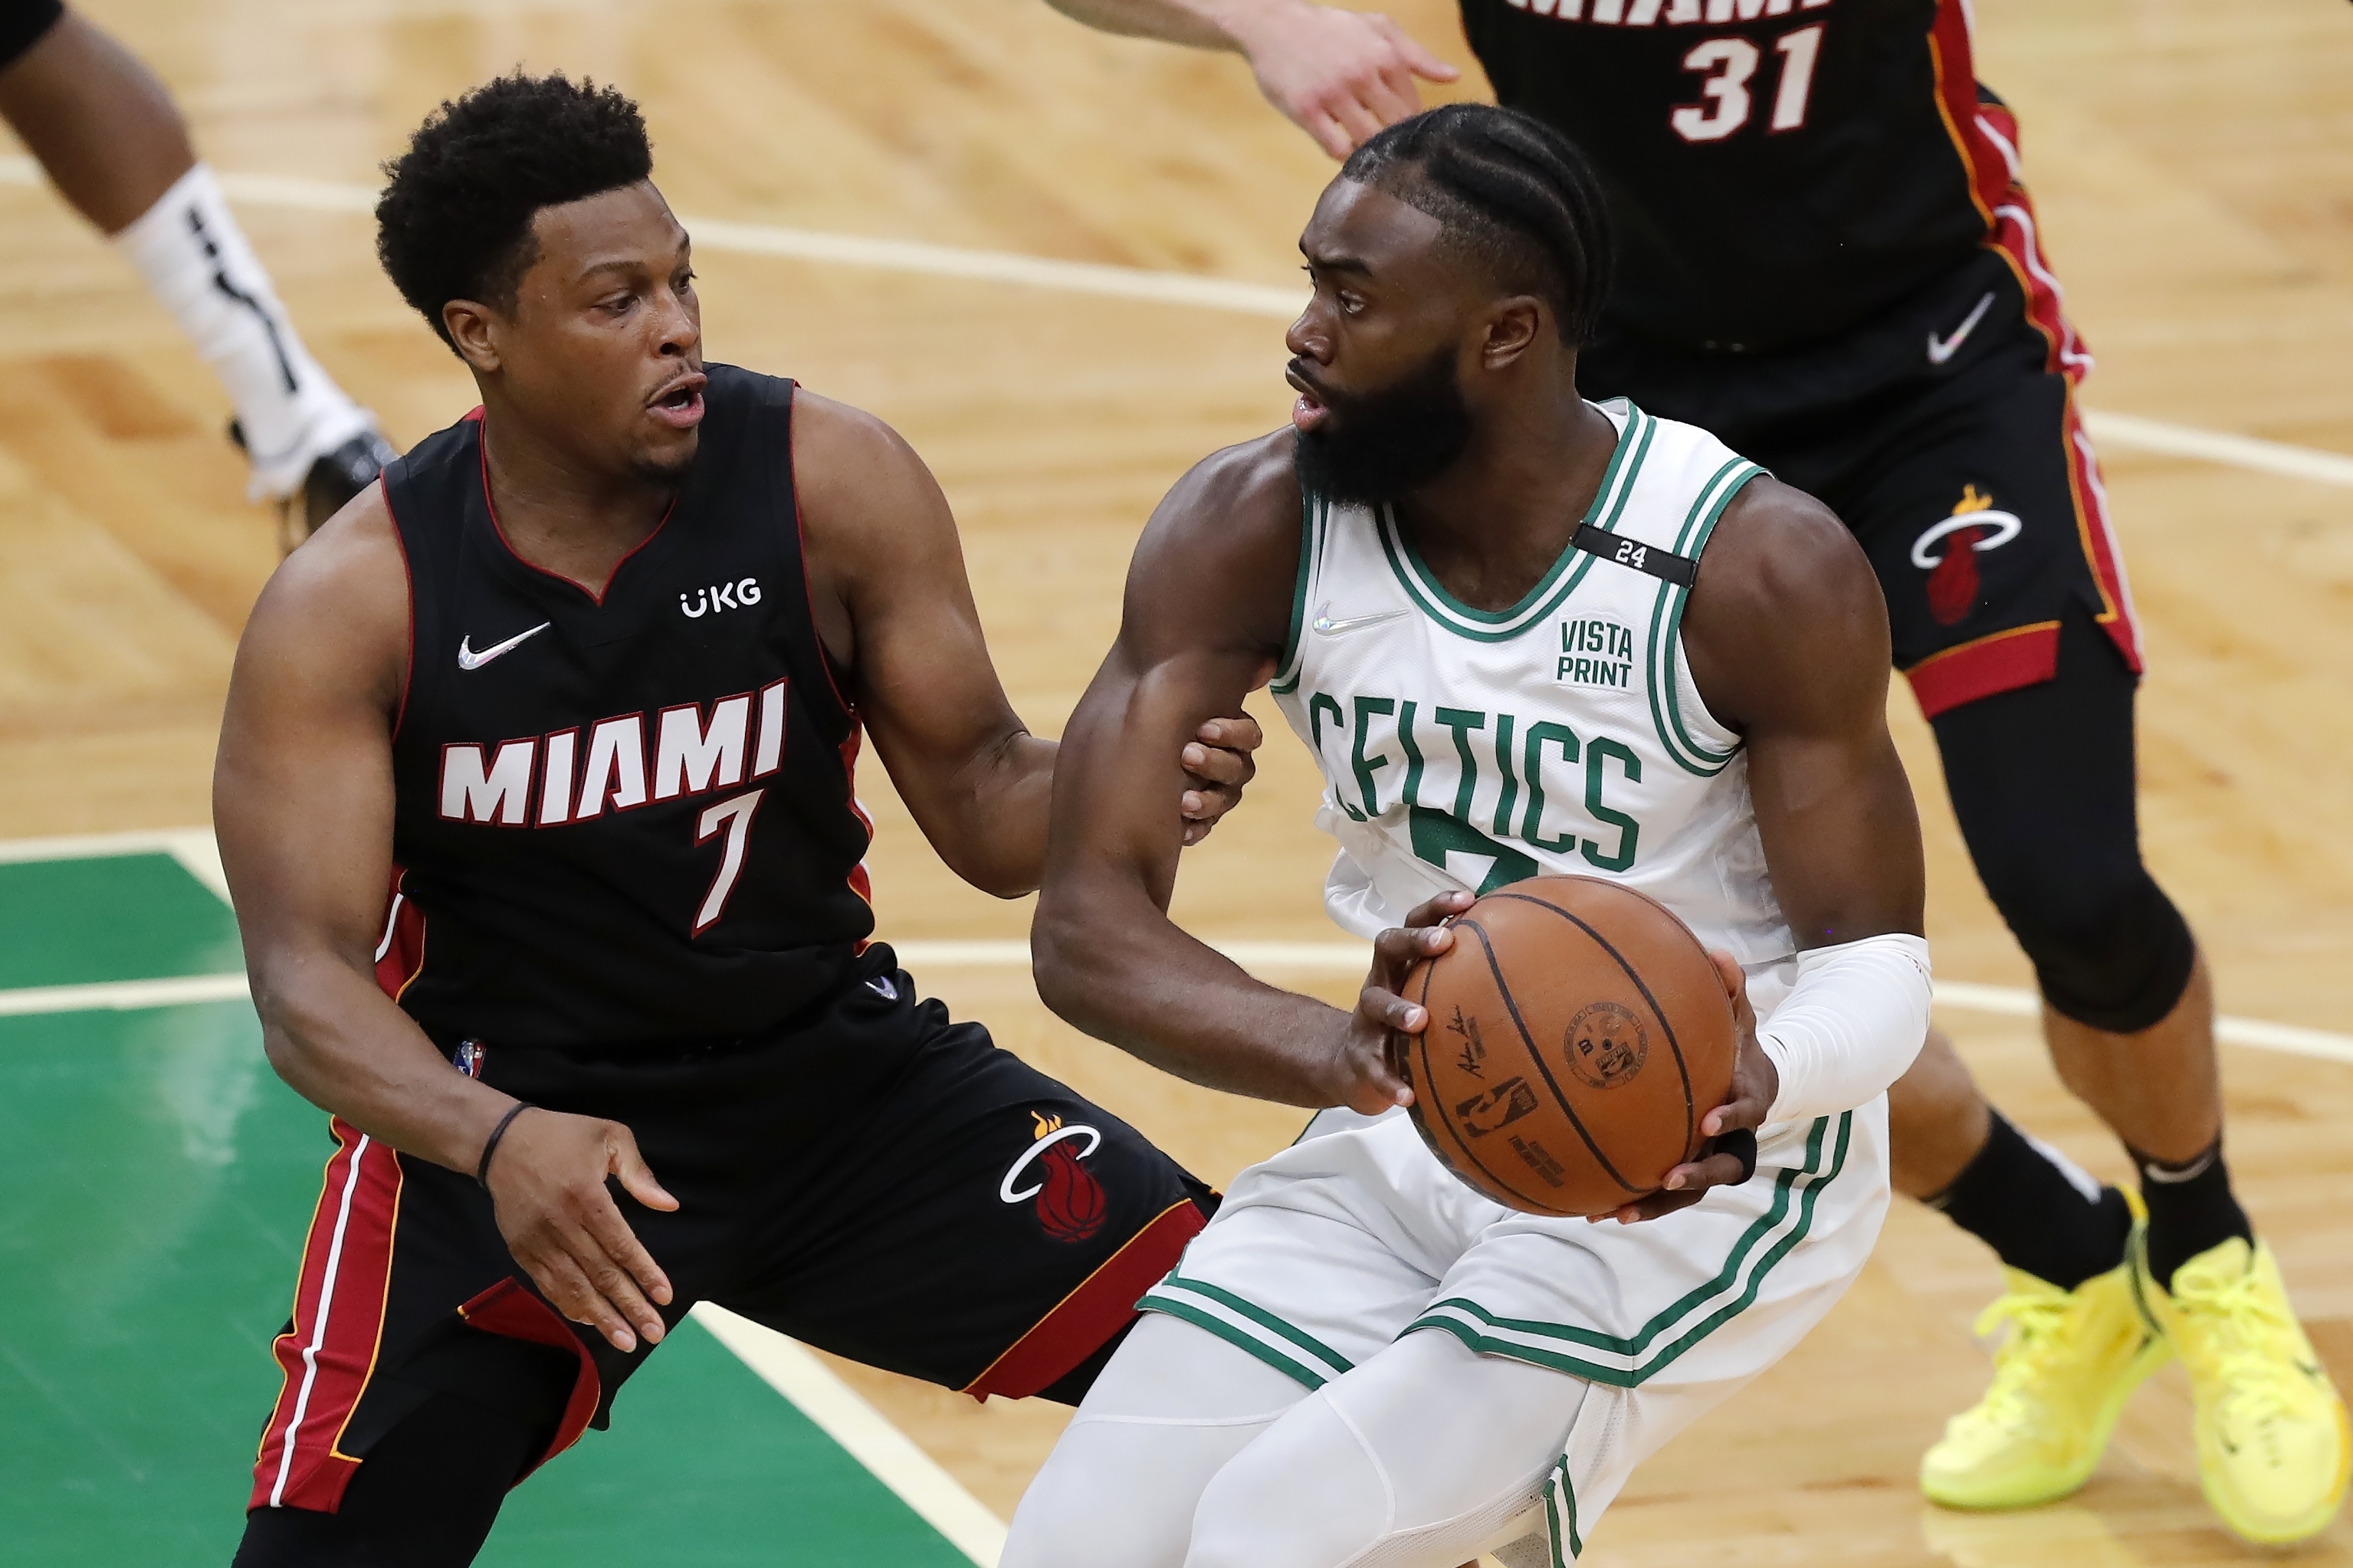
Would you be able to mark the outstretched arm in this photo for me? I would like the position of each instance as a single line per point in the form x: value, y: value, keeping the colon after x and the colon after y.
x: 1208, y: 603
x: 895, y: 611
x: 1340, y: 76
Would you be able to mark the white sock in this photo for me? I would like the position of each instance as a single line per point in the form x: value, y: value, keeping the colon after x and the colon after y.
x: 195, y: 257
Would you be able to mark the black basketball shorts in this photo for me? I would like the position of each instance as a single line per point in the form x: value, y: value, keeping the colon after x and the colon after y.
x: 867, y: 1176
x: 1945, y: 433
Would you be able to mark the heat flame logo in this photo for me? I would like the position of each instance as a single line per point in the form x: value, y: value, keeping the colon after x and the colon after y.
x: 1953, y: 580
x: 1071, y: 1205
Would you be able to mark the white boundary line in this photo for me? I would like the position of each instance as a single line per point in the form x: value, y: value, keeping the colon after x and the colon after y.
x: 1270, y: 301
x: 122, y: 996
x: 864, y: 1432
x: 194, y: 847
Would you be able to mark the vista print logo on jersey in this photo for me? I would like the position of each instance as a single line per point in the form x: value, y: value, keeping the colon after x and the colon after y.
x: 1071, y: 1205
x: 1953, y: 580
x: 720, y: 596
x: 1595, y: 651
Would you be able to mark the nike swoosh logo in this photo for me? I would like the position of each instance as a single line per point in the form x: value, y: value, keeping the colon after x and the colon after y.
x: 469, y: 659
x: 1942, y: 349
x: 1326, y: 626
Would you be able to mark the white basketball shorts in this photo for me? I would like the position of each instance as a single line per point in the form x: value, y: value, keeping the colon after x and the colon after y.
x: 1356, y: 1236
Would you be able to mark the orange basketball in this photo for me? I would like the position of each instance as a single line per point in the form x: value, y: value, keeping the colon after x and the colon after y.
x: 1577, y: 1033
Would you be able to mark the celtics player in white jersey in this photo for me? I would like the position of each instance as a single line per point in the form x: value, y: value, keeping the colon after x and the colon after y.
x: 1521, y: 633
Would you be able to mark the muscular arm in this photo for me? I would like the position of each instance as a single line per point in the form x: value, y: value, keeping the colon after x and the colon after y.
x: 895, y: 611
x: 1207, y: 605
x: 302, y: 802
x: 1339, y: 76
x: 1787, y: 635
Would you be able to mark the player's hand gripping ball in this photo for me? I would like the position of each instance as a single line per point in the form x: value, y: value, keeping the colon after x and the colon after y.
x: 1578, y: 1035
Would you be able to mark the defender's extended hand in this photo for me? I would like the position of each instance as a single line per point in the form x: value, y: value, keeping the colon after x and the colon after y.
x: 1367, y: 1060
x: 548, y: 1188
x: 1340, y: 76
x: 1756, y: 1082
x: 1218, y: 760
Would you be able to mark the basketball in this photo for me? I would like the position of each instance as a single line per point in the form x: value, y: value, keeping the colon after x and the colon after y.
x: 1577, y: 1034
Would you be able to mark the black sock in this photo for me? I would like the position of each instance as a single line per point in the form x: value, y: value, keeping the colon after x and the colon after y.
x: 2191, y: 1209
x: 2013, y: 1198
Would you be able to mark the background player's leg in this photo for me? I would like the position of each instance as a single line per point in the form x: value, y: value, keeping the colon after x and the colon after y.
x: 1118, y: 1490
x: 1417, y: 1458
x: 2042, y: 782
x: 107, y: 133
x: 426, y: 1497
x: 2130, y: 1022
x: 2039, y: 1210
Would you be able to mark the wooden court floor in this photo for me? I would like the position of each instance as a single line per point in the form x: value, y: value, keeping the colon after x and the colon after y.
x: 2194, y: 169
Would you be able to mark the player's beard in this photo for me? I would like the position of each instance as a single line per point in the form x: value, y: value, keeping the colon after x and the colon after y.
x: 666, y: 473
x: 1375, y: 446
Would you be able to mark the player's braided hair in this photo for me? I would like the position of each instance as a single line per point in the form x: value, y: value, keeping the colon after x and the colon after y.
x: 1510, y: 191
x: 455, y: 221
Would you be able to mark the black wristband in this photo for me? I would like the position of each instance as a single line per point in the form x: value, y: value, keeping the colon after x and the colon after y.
x: 491, y: 1145
x: 1740, y: 1143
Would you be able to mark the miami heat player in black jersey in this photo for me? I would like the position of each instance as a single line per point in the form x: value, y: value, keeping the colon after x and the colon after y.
x: 1779, y: 170
x: 584, y: 680
x: 628, y: 816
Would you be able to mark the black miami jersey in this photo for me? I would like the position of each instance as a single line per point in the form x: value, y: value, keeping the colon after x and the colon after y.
x: 1778, y: 170
x: 625, y: 816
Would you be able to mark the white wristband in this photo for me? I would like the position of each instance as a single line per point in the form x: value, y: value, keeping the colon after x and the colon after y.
x: 1850, y: 1025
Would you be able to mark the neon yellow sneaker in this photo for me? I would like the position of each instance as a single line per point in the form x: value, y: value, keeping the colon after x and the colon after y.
x: 2060, y: 1380
x: 2274, y: 1449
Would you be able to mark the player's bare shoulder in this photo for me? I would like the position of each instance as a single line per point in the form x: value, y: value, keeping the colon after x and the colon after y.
x: 1222, y: 548
x: 1786, y: 611
x: 1245, y: 496
x: 336, y: 610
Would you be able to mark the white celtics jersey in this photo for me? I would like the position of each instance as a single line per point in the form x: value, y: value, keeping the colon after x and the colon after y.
x: 1466, y: 748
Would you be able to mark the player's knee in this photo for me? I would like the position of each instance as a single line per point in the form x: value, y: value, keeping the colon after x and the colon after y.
x: 2108, y: 947
x: 1304, y: 1495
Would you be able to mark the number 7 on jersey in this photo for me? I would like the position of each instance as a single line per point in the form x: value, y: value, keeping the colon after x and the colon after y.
x: 734, y: 814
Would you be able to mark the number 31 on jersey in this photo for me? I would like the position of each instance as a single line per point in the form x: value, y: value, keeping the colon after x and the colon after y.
x: 1726, y: 67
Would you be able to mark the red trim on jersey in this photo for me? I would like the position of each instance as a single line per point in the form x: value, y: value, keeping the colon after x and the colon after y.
x: 507, y: 1308
x: 327, y: 1355
x: 1986, y: 666
x: 1103, y: 1304
x: 408, y: 580
x: 400, y: 956
x: 595, y: 596
x: 859, y: 883
x: 1953, y: 60
x: 1985, y: 136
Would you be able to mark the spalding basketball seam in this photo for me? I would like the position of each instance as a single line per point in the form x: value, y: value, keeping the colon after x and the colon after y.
x: 1430, y: 1081
x: 1690, y: 1118
x: 1535, y: 1054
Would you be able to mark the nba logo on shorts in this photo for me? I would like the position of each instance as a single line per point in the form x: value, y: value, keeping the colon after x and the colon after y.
x: 468, y: 1059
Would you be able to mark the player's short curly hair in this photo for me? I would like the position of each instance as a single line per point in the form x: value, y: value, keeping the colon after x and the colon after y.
x: 454, y: 222
x: 1511, y: 192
